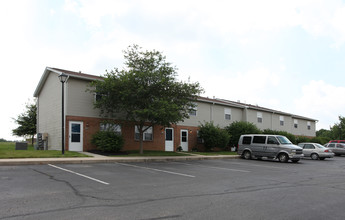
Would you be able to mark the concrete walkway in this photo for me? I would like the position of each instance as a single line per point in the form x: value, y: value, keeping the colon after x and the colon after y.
x: 95, y: 158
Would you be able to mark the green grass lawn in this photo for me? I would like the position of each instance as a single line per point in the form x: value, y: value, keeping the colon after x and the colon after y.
x: 150, y: 154
x: 166, y: 153
x: 7, y: 151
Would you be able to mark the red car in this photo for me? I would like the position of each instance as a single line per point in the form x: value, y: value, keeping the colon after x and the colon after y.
x: 337, y: 141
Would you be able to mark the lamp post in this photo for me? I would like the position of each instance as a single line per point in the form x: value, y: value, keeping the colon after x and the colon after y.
x: 63, y: 78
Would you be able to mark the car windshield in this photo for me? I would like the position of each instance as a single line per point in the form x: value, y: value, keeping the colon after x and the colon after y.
x: 319, y: 146
x: 283, y: 140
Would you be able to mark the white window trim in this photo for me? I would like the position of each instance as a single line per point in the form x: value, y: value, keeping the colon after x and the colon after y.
x: 149, y: 131
x: 194, y: 109
x: 110, y: 127
x: 259, y: 116
x: 227, y: 111
x: 281, y: 120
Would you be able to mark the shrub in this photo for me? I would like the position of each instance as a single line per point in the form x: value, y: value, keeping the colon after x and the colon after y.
x: 301, y: 139
x: 213, y: 136
x: 108, y: 141
x: 236, y: 129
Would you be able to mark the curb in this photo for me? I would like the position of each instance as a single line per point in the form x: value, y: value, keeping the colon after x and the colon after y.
x: 44, y: 161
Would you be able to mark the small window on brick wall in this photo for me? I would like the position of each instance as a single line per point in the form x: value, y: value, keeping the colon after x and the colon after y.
x: 308, y: 125
x: 147, y: 135
x: 295, y: 123
x: 110, y: 127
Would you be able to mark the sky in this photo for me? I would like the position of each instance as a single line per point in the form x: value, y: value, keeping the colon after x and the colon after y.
x: 287, y: 55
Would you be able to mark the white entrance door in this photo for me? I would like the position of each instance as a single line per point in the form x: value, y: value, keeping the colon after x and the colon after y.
x: 75, y: 136
x: 184, y: 140
x: 169, y: 139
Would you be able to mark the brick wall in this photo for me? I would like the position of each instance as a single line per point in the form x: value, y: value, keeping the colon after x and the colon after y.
x: 92, y: 125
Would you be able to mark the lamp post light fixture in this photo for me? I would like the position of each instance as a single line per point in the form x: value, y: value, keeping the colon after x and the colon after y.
x: 63, y: 78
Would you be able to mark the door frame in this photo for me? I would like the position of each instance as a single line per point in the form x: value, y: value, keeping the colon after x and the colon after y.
x: 185, y: 145
x: 81, y: 143
x: 169, y: 145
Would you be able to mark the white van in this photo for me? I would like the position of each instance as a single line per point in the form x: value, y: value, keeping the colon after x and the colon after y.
x: 269, y: 146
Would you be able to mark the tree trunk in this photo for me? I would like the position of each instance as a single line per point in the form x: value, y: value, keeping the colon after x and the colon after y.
x: 32, y: 140
x: 141, y: 140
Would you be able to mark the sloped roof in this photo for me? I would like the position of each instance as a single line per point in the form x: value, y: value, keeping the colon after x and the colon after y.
x: 249, y: 106
x: 69, y: 73
x: 224, y: 102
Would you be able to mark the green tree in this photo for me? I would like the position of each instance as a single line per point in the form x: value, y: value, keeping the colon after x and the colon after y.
x: 146, y: 92
x: 236, y: 129
x: 213, y: 136
x: 338, y: 129
x: 26, y: 122
x: 324, y: 133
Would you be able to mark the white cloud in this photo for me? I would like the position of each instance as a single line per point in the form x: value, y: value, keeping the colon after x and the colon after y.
x: 323, y: 102
x: 250, y: 86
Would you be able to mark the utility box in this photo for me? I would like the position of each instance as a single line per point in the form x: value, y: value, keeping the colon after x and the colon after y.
x: 42, y: 141
x: 21, y: 146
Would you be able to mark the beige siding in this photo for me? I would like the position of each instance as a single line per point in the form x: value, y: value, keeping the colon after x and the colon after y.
x: 203, y: 114
x: 266, y: 119
x: 219, y: 115
x: 207, y: 112
x: 49, y: 111
x: 79, y: 101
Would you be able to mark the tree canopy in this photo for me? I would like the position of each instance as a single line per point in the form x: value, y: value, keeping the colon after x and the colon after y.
x: 26, y: 122
x: 145, y: 92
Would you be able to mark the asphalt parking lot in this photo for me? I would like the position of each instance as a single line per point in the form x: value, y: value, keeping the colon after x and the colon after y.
x: 202, y: 189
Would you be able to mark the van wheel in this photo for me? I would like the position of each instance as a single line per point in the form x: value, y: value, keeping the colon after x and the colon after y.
x: 283, y: 158
x: 314, y: 156
x: 247, y: 155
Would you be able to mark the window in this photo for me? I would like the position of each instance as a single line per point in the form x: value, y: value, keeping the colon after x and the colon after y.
x: 308, y: 146
x: 227, y: 113
x: 295, y: 123
x: 331, y: 145
x: 340, y: 146
x: 308, y: 125
x: 147, y: 135
x: 247, y: 140
x: 98, y: 96
x: 272, y: 140
x: 110, y: 127
x: 259, y: 116
x: 192, y: 110
x: 259, y: 139
x: 281, y: 119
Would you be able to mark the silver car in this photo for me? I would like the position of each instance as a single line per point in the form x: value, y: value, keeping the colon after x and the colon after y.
x: 316, y: 151
x: 337, y: 148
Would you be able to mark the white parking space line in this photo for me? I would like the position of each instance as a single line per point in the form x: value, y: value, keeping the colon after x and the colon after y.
x: 164, y: 171
x: 79, y: 174
x: 220, y: 168
x: 256, y: 165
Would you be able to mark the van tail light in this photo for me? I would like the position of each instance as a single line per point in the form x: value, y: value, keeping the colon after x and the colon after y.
x: 326, y: 151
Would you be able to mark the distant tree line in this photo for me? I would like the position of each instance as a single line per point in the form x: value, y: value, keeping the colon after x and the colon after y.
x: 3, y: 140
